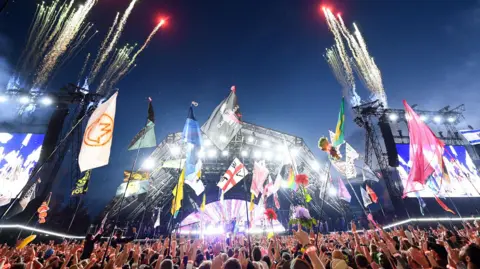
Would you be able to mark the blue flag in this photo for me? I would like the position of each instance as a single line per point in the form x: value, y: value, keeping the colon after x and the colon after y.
x: 191, y: 131
x: 193, y: 165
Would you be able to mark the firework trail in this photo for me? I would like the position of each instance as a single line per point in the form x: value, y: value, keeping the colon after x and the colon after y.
x: 155, y: 30
x: 65, y: 37
x: 118, y: 63
x: 115, y: 38
x: 92, y: 75
x: 82, y: 71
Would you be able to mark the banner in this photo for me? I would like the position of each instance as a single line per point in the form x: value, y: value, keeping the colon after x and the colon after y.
x: 146, y: 137
x: 232, y: 176
x: 472, y: 136
x: 97, y: 140
x: 368, y: 174
x: 81, y: 187
x: 134, y: 188
x: 350, y: 156
x: 365, y: 198
x: 135, y: 176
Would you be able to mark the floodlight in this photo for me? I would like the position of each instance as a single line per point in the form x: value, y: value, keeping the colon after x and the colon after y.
x: 281, y: 148
x: 315, y: 165
x: 201, y: 154
x: 3, y: 99
x: 393, y: 117
x: 223, y: 138
x: 46, y: 101
x: 207, y: 143
x: 250, y: 139
x: 24, y: 99
x: 148, y: 164
x: 244, y: 153
x: 332, y: 191
x: 175, y: 150
x: 268, y: 155
x: 257, y: 154
x: 225, y: 153
x: 294, y: 152
x: 266, y: 143
x: 424, y: 117
x: 212, y: 153
x: 451, y: 119
x: 437, y: 119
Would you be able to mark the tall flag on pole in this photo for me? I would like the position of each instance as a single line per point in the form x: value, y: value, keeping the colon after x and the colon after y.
x: 291, y: 180
x: 368, y: 174
x: 252, y: 204
x: 146, y: 137
x: 343, y: 192
x: 372, y: 194
x: 204, y: 202
x: 232, y: 176
x: 193, y: 164
x: 276, y: 201
x: 225, y: 121
x: 157, y: 221
x: 366, y: 200
x: 339, y: 130
x: 268, y: 190
x: 81, y: 187
x: 178, y: 195
x: 350, y: 156
x: 260, y: 173
x: 97, y: 140
x: 426, y: 151
x: 443, y: 205
x: 472, y: 136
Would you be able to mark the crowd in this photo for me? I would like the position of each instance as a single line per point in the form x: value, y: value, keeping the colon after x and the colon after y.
x: 374, y: 248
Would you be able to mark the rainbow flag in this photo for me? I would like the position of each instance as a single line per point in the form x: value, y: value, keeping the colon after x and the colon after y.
x: 291, y: 180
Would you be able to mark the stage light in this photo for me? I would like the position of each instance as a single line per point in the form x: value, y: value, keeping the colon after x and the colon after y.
x: 279, y: 157
x: 266, y: 143
x: 332, y: 191
x: 148, y: 164
x: 46, y: 101
x: 451, y: 119
x: 294, y: 152
x: 225, y: 153
x: 3, y: 99
x: 250, y: 139
x: 393, y: 117
x: 223, y: 138
x: 207, y: 143
x: 175, y: 150
x: 212, y: 153
x: 316, y: 165
x: 281, y: 148
x: 268, y: 155
x: 437, y: 119
x: 257, y: 154
x: 424, y: 117
x: 24, y: 99
x: 244, y: 153
x: 201, y: 153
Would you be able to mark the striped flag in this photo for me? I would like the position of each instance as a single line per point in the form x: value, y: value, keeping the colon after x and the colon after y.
x: 339, y: 130
x: 472, y: 136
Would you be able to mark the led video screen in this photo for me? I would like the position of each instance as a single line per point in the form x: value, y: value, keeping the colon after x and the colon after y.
x: 463, y: 177
x: 19, y: 153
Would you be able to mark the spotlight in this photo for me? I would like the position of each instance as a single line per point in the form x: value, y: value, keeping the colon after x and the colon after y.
x: 201, y: 153
x: 250, y: 139
x: 279, y: 157
x: 223, y: 138
x: 46, y: 101
x: 451, y: 119
x: 265, y: 143
x: 175, y: 150
x: 294, y: 152
x: 281, y: 148
x: 244, y: 153
x: 212, y: 153
x: 225, y: 153
x: 315, y: 165
x: 268, y: 155
x: 257, y: 154
x: 437, y: 119
x: 332, y: 191
x: 393, y: 117
x: 207, y: 143
x: 3, y: 99
x: 424, y: 117
x: 24, y: 99
x: 148, y: 164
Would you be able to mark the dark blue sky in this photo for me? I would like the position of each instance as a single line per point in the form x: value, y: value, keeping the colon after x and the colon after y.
x: 272, y: 51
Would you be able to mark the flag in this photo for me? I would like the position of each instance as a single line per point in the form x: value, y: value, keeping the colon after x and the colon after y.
x: 97, y: 140
x: 178, y: 195
x: 426, y: 151
x: 366, y: 200
x: 28, y: 196
x: 443, y: 205
x: 176, y: 164
x: 232, y: 176
x: 278, y: 181
x: 157, y: 221
x: 372, y: 194
x: 225, y: 121
x: 276, y: 201
x: 43, y: 209
x: 102, y: 225
x: 134, y: 188
x: 368, y: 174
x: 204, y: 203
x: 135, y: 176
x: 339, y: 130
x: 350, y: 156
x: 268, y: 189
x: 421, y: 203
x: 343, y: 192
x: 252, y: 204
x: 291, y: 180
x: 81, y: 187
x: 260, y: 173
x: 472, y: 136
x: 146, y: 137
x: 193, y: 165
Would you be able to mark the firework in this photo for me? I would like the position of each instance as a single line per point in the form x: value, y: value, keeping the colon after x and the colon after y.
x: 155, y: 30
x: 82, y: 71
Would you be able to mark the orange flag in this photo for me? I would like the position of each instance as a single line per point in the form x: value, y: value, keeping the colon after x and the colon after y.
x: 372, y: 194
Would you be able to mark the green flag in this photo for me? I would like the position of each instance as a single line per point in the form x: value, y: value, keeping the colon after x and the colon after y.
x: 339, y: 130
x: 145, y: 138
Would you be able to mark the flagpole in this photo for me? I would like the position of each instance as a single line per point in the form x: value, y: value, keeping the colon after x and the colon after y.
x: 246, y: 208
x: 358, y: 199
x: 75, y: 214
x: 175, y: 203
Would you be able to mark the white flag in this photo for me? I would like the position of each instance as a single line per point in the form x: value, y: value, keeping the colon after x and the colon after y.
x: 97, y: 140
x: 472, y: 136
x: 157, y: 222
x: 366, y: 199
x: 350, y: 156
x: 260, y: 173
x: 234, y: 174
x: 368, y: 174
x: 193, y: 180
x: 29, y: 196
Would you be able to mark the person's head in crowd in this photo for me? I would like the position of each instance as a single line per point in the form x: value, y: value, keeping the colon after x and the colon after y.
x: 361, y: 261
x: 230, y: 253
x: 18, y: 266
x: 267, y: 260
x: 299, y: 263
x: 470, y: 255
x: 224, y: 257
x: 440, y: 254
x: 118, y: 233
x: 198, y: 260
x: 232, y: 264
x: 256, y: 254
x: 286, y: 256
x: 166, y: 264
x: 205, y: 265
x: 89, y: 237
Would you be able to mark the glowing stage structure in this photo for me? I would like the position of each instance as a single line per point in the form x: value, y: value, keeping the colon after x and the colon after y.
x: 252, y: 143
x: 390, y: 125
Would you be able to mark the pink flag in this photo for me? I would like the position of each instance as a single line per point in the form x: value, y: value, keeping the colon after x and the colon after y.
x: 275, y: 199
x: 260, y: 173
x: 343, y: 192
x: 426, y: 151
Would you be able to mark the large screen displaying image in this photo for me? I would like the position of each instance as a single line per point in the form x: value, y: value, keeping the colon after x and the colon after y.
x: 19, y: 154
x: 462, y: 173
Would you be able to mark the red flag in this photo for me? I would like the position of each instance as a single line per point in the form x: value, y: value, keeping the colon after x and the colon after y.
x: 372, y: 194
x: 426, y: 151
x: 443, y: 205
x: 275, y: 199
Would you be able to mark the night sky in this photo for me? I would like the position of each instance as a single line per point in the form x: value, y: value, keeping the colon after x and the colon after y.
x: 272, y: 51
